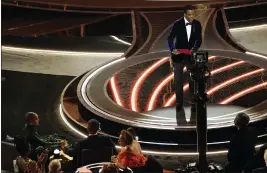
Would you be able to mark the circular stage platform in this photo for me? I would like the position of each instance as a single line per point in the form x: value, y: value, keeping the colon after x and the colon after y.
x: 93, y: 94
x: 137, y: 92
x: 157, y: 127
x: 100, y: 97
x: 217, y: 115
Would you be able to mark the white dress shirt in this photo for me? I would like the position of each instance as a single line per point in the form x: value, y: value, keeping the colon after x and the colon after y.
x: 188, y: 29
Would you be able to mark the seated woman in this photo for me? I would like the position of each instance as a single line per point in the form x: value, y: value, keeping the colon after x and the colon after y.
x: 24, y: 163
x: 129, y: 156
x: 135, y: 139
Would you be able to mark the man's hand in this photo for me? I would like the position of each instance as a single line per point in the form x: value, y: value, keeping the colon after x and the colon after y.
x: 175, y: 52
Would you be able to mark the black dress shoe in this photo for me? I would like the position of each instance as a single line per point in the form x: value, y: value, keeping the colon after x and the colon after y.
x: 180, y: 117
x: 193, y: 117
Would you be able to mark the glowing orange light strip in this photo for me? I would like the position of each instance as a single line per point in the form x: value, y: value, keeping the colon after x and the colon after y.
x: 140, y: 81
x: 228, y: 82
x: 115, y: 91
x: 172, y: 98
x: 243, y: 92
x: 160, y: 86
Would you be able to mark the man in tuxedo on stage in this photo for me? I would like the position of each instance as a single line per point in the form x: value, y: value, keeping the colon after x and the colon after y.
x: 187, y: 34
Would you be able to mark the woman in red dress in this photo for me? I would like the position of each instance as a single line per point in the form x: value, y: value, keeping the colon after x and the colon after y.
x: 130, y: 155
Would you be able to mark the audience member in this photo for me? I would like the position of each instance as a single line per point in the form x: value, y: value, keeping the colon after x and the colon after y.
x: 136, y: 144
x: 93, y: 141
x: 263, y: 169
x: 129, y: 155
x: 55, y: 166
x: 24, y: 163
x: 242, y: 145
x: 31, y: 129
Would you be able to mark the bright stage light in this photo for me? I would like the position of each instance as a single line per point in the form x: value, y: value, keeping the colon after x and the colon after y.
x: 249, y: 28
x: 120, y: 40
x: 56, y: 52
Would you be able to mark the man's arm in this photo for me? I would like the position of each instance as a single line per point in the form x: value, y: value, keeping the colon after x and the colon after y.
x: 34, y: 138
x: 199, y: 36
x: 170, y: 41
x: 231, y: 155
x: 171, y: 37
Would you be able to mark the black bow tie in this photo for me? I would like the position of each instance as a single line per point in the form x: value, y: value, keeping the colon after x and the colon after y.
x: 188, y: 24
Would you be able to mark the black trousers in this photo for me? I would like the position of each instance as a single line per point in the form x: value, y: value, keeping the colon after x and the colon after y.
x: 179, y: 78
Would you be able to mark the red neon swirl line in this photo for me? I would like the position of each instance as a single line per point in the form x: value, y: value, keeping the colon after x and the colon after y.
x: 172, y: 98
x: 164, y: 82
x: 140, y: 81
x: 160, y: 86
x: 244, y: 92
x: 233, y: 80
x: 115, y: 91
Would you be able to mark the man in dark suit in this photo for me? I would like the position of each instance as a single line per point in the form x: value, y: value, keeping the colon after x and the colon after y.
x: 32, y: 135
x: 93, y: 141
x: 187, y: 33
x: 242, y: 145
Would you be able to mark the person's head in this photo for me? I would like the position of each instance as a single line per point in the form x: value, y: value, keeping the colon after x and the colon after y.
x: 132, y: 132
x: 22, y: 146
x: 241, y: 120
x: 125, y: 138
x: 110, y: 168
x: 54, y: 166
x: 32, y: 118
x: 93, y: 126
x: 189, y: 13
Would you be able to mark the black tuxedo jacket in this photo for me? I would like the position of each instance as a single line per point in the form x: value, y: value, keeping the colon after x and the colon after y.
x: 242, y: 147
x: 93, y: 142
x: 178, y: 33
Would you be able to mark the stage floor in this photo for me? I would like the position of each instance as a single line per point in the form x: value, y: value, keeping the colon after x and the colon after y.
x: 215, y: 112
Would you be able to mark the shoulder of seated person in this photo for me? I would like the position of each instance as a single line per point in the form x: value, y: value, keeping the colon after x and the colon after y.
x: 124, y: 149
x: 104, y: 136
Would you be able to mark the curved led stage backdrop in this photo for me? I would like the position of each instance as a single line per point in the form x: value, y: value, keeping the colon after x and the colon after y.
x: 137, y: 92
x: 148, y: 86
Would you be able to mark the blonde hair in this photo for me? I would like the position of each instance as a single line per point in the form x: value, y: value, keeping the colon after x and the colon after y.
x: 54, y: 166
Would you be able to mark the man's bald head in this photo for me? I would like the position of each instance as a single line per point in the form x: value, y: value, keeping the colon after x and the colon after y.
x: 93, y: 126
x: 32, y: 118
